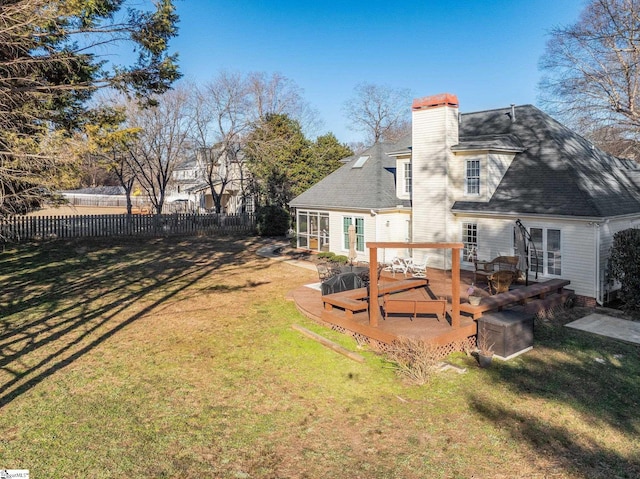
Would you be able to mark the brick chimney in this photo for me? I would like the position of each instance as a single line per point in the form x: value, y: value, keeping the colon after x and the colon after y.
x: 435, y: 101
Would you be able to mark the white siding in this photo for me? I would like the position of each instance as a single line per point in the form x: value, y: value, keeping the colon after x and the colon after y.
x: 493, y: 166
x: 434, y: 130
x: 578, y: 253
x: 394, y: 227
x: 375, y: 229
x: 495, y: 236
x: 578, y: 247
x: 497, y: 166
x: 457, y: 175
x: 337, y: 238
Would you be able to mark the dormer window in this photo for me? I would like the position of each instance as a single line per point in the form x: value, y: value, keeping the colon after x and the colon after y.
x: 403, y: 174
x: 407, y: 178
x: 472, y: 177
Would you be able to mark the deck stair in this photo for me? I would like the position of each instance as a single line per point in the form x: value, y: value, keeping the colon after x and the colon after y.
x: 350, y: 305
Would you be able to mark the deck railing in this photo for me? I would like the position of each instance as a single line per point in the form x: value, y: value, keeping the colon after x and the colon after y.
x: 35, y: 228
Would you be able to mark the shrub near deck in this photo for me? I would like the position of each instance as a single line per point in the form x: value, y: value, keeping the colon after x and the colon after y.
x: 177, y: 359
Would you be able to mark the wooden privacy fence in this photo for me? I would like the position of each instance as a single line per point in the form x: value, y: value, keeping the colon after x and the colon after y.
x: 35, y: 228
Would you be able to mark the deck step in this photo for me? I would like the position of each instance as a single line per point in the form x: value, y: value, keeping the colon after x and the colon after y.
x: 535, y: 306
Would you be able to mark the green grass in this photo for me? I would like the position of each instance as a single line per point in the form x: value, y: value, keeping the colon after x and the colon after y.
x: 176, y: 358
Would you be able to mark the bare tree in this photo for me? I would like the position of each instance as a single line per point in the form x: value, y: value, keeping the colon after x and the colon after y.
x: 380, y: 112
x: 230, y: 106
x: 222, y: 111
x: 161, y: 144
x: 592, y: 71
x: 121, y: 165
x: 276, y: 94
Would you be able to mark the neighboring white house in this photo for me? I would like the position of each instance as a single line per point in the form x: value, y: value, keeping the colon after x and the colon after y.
x: 468, y: 178
x: 191, y: 192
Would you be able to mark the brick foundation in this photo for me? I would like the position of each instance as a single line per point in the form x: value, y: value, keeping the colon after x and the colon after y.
x: 585, y: 301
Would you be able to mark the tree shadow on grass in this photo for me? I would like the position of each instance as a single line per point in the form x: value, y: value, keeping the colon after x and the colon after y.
x: 590, y: 380
x: 560, y: 446
x: 62, y: 300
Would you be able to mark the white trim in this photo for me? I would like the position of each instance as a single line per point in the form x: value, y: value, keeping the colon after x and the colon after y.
x: 513, y: 214
x: 462, y: 239
x: 542, y: 254
x: 353, y: 219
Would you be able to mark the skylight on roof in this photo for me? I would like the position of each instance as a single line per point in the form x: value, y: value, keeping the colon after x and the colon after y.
x: 360, y: 161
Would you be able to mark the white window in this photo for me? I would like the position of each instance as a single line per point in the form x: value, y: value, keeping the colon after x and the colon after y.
x: 247, y: 204
x: 407, y: 178
x: 472, y: 177
x: 470, y: 240
x: 548, y: 245
x: 359, y: 223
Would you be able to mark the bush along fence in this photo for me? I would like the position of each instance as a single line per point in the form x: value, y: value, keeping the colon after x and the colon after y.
x: 37, y: 228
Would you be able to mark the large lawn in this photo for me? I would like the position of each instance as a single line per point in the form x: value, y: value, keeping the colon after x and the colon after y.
x: 176, y: 358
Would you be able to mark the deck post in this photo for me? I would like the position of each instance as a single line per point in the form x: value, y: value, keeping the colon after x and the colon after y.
x: 455, y: 288
x: 374, y: 308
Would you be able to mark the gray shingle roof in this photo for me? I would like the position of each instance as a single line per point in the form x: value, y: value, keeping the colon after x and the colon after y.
x: 490, y: 142
x: 371, y: 186
x: 555, y: 171
x: 558, y: 173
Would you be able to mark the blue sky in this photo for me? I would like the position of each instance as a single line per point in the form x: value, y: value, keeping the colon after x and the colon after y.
x: 486, y: 52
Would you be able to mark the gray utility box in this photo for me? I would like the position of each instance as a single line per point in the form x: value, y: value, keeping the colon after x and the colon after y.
x: 511, y: 332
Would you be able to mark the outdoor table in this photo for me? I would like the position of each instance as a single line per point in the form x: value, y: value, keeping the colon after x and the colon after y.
x: 341, y: 282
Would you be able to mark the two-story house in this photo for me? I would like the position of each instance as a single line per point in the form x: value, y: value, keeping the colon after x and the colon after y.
x: 468, y: 178
x: 190, y: 189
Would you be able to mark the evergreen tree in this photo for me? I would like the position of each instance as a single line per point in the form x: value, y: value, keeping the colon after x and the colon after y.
x: 50, y: 65
x: 277, y: 156
x: 284, y: 163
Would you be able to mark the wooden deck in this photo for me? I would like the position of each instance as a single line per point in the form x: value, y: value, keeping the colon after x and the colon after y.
x: 425, y: 327
x: 516, y: 296
x: 355, y: 300
x: 428, y: 328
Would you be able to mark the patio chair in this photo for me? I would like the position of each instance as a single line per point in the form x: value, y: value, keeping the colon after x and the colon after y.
x: 419, y: 268
x: 500, y: 281
x: 397, y: 265
x: 326, y: 271
x: 484, y: 269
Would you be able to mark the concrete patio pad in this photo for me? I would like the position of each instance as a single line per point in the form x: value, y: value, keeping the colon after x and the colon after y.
x: 608, y: 326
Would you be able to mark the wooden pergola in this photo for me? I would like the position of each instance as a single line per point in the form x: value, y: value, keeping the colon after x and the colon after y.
x: 374, y: 307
